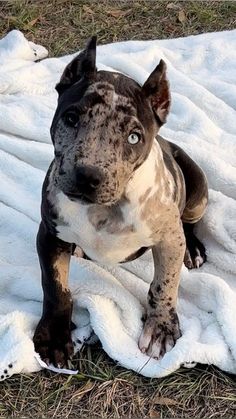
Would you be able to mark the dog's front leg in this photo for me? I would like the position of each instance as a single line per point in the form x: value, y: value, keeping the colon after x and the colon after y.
x: 161, y: 329
x: 52, y: 338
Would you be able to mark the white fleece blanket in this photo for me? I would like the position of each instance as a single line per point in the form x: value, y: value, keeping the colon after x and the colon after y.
x: 202, y: 73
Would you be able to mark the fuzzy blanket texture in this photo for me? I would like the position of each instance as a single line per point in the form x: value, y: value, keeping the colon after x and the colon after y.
x: 109, y: 302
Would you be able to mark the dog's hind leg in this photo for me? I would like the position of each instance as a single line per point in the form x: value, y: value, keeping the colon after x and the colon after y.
x: 196, y: 202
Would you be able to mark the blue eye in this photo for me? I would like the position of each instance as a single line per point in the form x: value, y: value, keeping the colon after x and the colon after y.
x: 133, y: 138
x: 71, y: 118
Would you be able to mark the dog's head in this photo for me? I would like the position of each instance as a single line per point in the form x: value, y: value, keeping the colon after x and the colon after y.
x: 104, y: 127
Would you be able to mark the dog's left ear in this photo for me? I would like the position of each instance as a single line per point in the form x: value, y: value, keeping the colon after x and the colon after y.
x: 82, y: 66
x: 156, y: 89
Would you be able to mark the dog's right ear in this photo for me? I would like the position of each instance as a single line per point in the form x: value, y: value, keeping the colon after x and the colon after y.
x: 156, y: 89
x: 82, y: 66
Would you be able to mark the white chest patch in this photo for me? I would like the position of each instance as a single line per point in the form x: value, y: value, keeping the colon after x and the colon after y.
x: 102, y: 236
x: 111, y: 234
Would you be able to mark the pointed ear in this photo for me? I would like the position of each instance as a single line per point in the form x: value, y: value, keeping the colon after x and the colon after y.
x: 84, y: 65
x: 156, y: 89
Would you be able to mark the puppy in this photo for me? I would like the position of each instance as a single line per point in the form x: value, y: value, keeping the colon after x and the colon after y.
x: 115, y: 189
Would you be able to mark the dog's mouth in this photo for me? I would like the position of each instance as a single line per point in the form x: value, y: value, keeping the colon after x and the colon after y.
x: 76, y: 196
x: 82, y: 198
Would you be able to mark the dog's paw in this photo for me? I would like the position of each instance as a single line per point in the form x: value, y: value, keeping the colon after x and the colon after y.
x: 195, y: 257
x: 53, y: 343
x: 195, y: 254
x: 158, y: 336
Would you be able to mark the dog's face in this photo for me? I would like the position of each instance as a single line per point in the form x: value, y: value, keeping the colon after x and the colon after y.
x: 104, y: 127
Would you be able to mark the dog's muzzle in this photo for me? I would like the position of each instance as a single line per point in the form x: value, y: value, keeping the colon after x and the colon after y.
x: 87, y: 181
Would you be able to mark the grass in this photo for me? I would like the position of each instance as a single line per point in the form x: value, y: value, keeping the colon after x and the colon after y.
x: 103, y: 389
x: 63, y: 26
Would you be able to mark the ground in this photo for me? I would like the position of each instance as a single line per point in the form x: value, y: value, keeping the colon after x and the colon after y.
x: 103, y: 389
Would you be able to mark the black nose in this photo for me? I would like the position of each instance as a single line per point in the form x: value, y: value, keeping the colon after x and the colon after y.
x: 88, y: 179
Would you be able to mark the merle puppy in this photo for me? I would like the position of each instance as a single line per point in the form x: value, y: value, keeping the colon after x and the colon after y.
x: 115, y: 189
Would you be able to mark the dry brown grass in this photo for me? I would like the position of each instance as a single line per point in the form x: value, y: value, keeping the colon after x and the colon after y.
x: 63, y: 26
x: 103, y: 389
